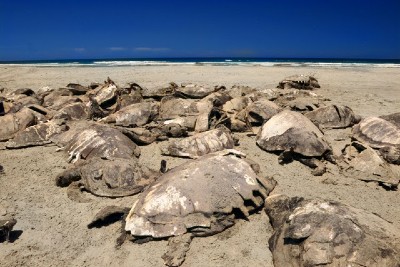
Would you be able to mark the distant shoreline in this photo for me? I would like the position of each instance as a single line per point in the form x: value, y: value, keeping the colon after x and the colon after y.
x: 226, y: 61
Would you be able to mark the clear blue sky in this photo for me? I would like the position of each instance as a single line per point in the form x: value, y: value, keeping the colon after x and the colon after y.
x: 56, y: 29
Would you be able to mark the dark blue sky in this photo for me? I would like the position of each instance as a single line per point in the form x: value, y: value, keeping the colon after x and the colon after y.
x: 208, y: 28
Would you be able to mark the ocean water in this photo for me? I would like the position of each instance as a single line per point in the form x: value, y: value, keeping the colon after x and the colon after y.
x: 268, y: 62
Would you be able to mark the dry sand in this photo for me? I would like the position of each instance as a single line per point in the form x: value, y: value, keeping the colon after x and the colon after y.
x: 53, y: 230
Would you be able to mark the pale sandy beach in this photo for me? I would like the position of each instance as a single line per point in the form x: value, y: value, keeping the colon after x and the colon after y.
x: 53, y: 229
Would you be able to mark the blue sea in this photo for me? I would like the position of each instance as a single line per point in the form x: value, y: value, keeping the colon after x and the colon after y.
x: 226, y: 61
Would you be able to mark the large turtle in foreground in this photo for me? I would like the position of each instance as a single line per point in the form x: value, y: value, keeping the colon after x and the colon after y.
x: 294, y: 136
x: 106, y: 177
x: 328, y: 233
x: 380, y: 134
x: 198, y: 198
x: 299, y: 82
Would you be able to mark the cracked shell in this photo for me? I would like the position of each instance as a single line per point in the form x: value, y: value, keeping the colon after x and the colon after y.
x: 88, y: 139
x: 199, y: 196
x: 328, y: 233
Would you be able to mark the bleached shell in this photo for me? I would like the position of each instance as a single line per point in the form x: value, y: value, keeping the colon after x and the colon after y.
x: 291, y: 130
x: 377, y: 132
x: 189, y: 195
x: 134, y: 115
x: 36, y: 135
x: 12, y: 123
x: 200, y: 144
x: 88, y: 139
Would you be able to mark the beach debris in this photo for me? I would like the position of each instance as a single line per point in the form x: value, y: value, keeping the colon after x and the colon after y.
x: 85, y: 140
x: 12, y: 123
x: 37, y: 135
x: 295, y: 137
x: 380, y: 134
x: 6, y: 226
x: 200, y: 144
x: 299, y: 82
x: 191, y: 90
x: 333, y: 116
x: 175, y: 205
x: 364, y: 163
x: 134, y: 115
x: 107, y: 177
x: 323, y: 232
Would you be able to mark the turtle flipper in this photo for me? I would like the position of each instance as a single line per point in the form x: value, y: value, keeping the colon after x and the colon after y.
x: 74, y: 193
x: 177, y: 248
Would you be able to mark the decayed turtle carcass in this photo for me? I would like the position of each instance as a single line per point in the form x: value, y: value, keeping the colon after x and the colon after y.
x: 106, y: 95
x: 12, y: 123
x: 328, y: 233
x: 296, y: 136
x: 299, y: 82
x: 134, y: 115
x: 298, y: 100
x: 191, y: 90
x: 192, y: 114
x: 159, y: 92
x: 258, y: 112
x: 379, y: 134
x: 197, y: 198
x: 333, y: 116
x: 37, y: 135
x: 200, y: 144
x: 362, y: 162
x: 89, y: 139
x: 107, y: 177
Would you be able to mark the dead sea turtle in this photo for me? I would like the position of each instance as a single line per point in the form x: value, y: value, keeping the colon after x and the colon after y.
x: 362, y: 162
x: 175, y: 205
x: 333, y: 116
x: 107, y: 177
x: 6, y: 226
x: 258, y: 112
x: 392, y: 118
x: 159, y: 92
x: 191, y: 90
x: 89, y: 139
x: 134, y: 115
x: 37, y: 135
x: 200, y: 144
x: 12, y: 123
x: 328, y: 233
x: 299, y: 82
x: 379, y: 134
x: 296, y: 136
